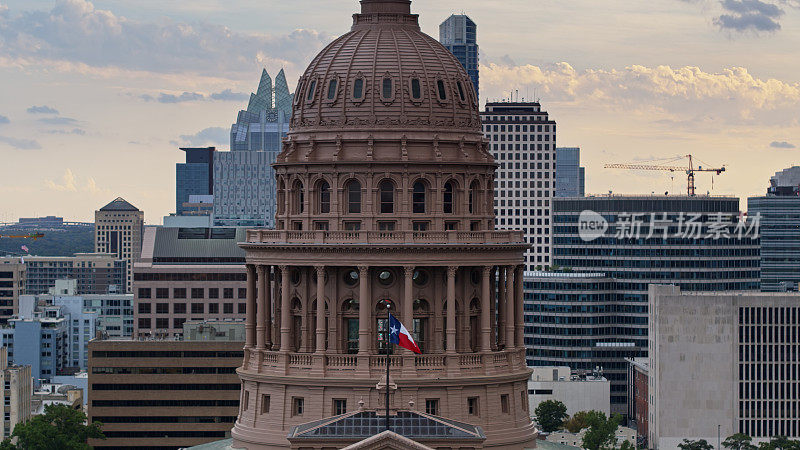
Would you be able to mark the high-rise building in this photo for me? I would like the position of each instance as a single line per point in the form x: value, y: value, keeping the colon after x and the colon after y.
x: 188, y: 274
x: 594, y: 311
x: 523, y: 142
x: 722, y: 363
x: 459, y: 34
x: 81, y: 329
x: 41, y: 341
x: 193, y: 177
x: 118, y: 231
x: 244, y: 181
x: 94, y: 273
x: 384, y: 199
x: 570, y: 176
x: 166, y: 394
x: 16, y: 382
x: 779, y: 216
x: 12, y: 285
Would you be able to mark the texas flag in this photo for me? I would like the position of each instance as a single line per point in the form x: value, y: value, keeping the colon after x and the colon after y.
x: 398, y: 334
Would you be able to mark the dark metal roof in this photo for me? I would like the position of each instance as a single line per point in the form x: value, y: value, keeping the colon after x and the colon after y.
x: 199, y: 246
x: 119, y: 204
x: 363, y: 424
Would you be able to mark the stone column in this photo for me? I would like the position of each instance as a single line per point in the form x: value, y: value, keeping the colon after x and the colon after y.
x: 250, y: 318
x: 364, y: 309
x: 268, y: 309
x: 486, y: 325
x: 286, y: 308
x: 408, y: 299
x: 276, y: 307
x: 261, y: 317
x: 501, y: 305
x: 509, y: 307
x: 451, y: 309
x: 519, y: 315
x: 493, y: 306
x: 320, y: 309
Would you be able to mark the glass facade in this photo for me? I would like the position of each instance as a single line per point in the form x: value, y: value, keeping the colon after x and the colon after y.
x: 595, y: 312
x: 570, y: 176
x: 194, y: 177
x: 780, y: 240
x: 459, y: 34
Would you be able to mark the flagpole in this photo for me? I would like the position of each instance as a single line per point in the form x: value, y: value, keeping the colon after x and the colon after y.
x: 388, y: 345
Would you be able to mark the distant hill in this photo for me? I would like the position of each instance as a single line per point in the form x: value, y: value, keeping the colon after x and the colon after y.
x: 56, y: 242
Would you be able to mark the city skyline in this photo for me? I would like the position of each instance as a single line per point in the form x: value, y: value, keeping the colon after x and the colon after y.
x: 84, y: 125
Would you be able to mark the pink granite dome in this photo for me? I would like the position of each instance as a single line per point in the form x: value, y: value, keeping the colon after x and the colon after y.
x: 385, y: 74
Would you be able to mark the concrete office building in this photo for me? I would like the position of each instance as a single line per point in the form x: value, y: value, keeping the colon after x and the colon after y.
x: 12, y: 285
x: 114, y: 311
x: 459, y: 35
x: 17, y: 386
x: 244, y: 181
x: 523, y: 142
x: 193, y: 177
x: 385, y: 188
x: 118, y: 231
x: 42, y: 342
x: 722, y: 359
x: 582, y: 391
x: 188, y: 274
x: 596, y: 315
x: 82, y: 327
x: 570, y: 176
x: 94, y: 273
x: 779, y: 213
x: 166, y: 394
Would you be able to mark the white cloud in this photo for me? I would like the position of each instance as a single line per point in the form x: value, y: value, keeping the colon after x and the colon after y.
x: 71, y: 183
x: 208, y: 136
x: 20, y: 144
x: 782, y: 144
x: 44, y: 109
x: 164, y: 97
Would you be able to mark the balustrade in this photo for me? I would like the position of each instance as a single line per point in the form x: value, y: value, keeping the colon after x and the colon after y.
x: 400, y: 237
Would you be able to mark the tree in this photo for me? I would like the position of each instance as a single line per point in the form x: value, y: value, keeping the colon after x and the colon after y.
x: 739, y: 441
x: 602, y: 433
x: 702, y: 444
x: 627, y: 445
x: 577, y: 422
x: 780, y: 443
x: 551, y: 415
x: 59, y: 427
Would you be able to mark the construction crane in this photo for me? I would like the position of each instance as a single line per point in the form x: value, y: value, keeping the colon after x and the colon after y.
x: 690, y: 189
x: 33, y: 236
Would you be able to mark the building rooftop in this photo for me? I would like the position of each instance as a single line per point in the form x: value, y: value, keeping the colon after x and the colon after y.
x: 119, y: 204
x: 542, y: 274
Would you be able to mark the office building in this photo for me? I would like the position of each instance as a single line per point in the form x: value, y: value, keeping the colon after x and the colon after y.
x: 593, y: 310
x: 188, y: 274
x: 166, y: 394
x: 459, y: 35
x: 522, y: 139
x: 639, y: 398
x: 17, y: 386
x: 578, y: 391
x: 244, y: 181
x: 82, y: 327
x: 40, y: 222
x: 94, y: 273
x: 41, y: 341
x: 722, y: 359
x: 193, y: 177
x: 118, y: 231
x: 570, y: 176
x: 12, y: 285
x: 779, y: 216
x: 398, y: 212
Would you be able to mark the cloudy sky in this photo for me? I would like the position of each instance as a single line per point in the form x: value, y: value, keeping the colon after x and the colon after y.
x: 96, y: 95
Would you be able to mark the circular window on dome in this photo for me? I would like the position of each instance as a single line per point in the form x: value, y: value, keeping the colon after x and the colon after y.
x: 351, y: 277
x: 420, y: 277
x: 385, y: 277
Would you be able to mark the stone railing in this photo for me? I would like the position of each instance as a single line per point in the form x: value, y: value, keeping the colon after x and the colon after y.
x: 384, y: 237
x: 424, y: 366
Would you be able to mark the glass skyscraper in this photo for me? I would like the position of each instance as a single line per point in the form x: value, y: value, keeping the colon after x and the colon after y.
x: 244, y: 181
x: 460, y: 35
x: 779, y: 213
x: 194, y: 177
x: 570, y: 176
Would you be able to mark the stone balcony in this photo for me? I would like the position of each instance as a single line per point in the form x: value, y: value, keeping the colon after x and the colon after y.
x: 384, y: 237
x: 313, y: 365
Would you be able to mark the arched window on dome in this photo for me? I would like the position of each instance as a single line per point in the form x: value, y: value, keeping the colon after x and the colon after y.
x: 418, y: 197
x: 449, y: 197
x: 324, y: 197
x: 416, y: 89
x: 387, y: 89
x: 353, y: 190
x: 299, y: 197
x: 312, y: 87
x: 333, y: 84
x: 358, y: 89
x: 461, y: 92
x: 473, y: 197
x: 441, y: 90
x: 386, y: 189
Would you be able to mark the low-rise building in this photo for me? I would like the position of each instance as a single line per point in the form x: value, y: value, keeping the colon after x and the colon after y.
x: 94, y: 273
x: 17, y: 388
x: 41, y: 341
x: 638, y: 397
x: 166, y: 393
x: 578, y: 391
x: 722, y: 363
x: 576, y: 439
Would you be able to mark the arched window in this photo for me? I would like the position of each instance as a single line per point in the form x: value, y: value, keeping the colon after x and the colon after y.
x: 461, y: 92
x: 281, y: 197
x: 441, y: 89
x: 416, y: 89
x: 332, y: 89
x: 418, y: 198
x: 386, y: 189
x: 311, y: 88
x: 324, y: 197
x: 358, y: 89
x: 354, y: 197
x: 449, y: 197
x: 473, y: 197
x: 388, y: 90
x: 299, y: 198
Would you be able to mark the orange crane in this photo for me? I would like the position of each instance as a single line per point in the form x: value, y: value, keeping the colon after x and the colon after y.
x: 690, y: 189
x: 33, y: 236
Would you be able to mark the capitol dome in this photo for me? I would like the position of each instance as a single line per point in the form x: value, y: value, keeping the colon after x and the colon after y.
x: 385, y: 74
